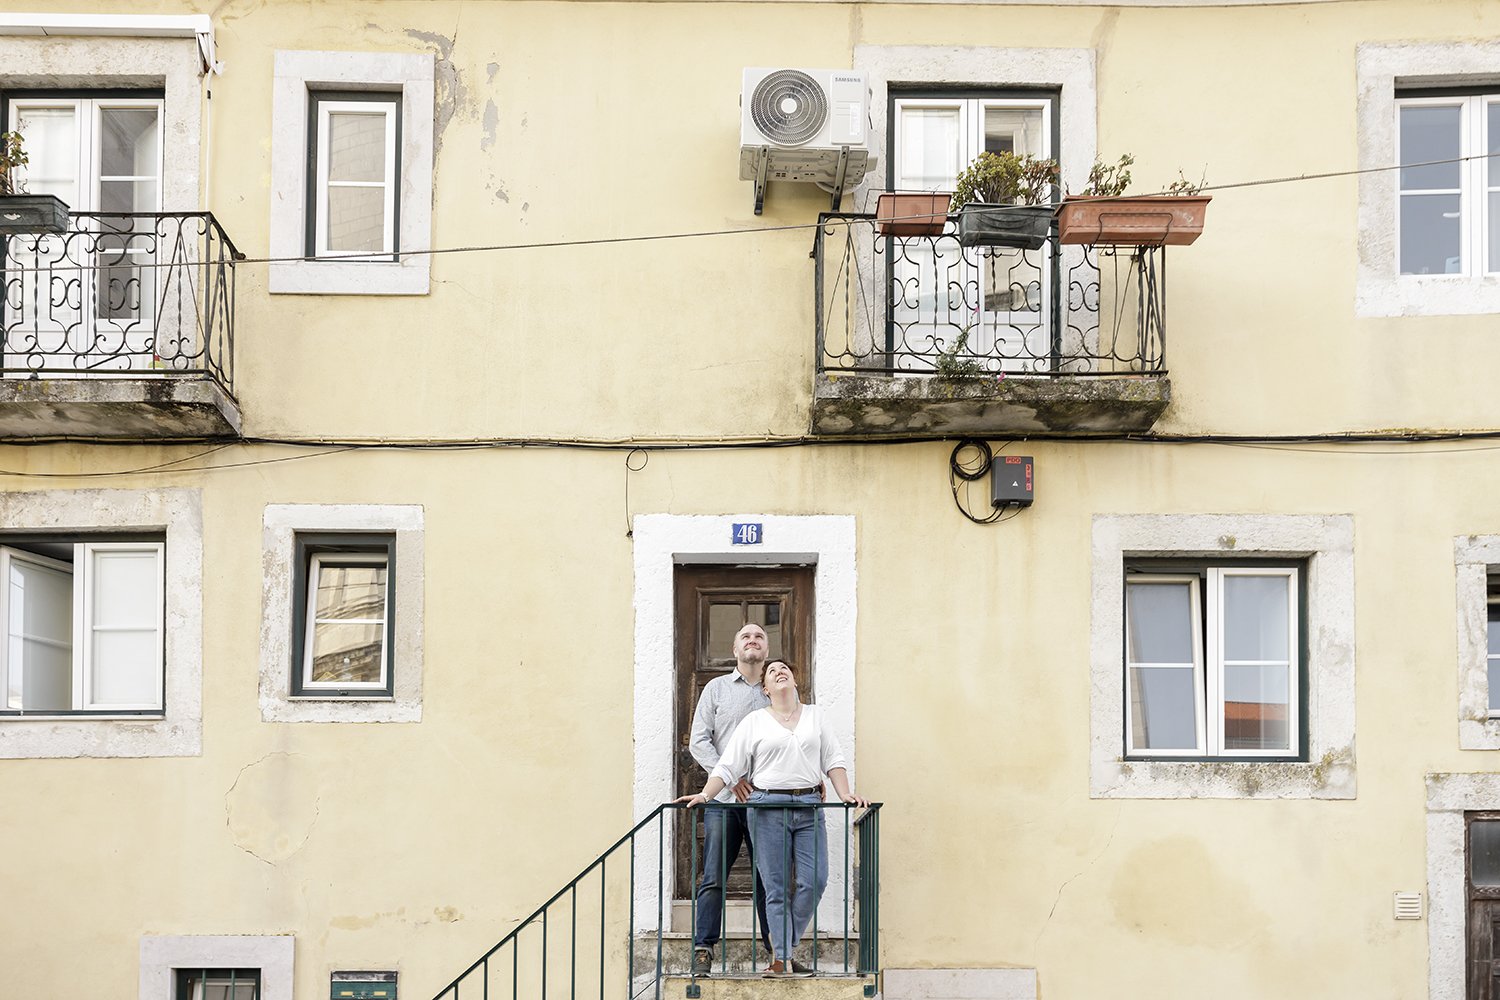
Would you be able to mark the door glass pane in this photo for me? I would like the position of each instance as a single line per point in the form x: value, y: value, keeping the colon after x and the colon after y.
x: 1161, y: 626
x: 1256, y: 705
x: 128, y: 143
x: 356, y: 218
x: 356, y: 146
x: 1430, y: 234
x: 928, y: 157
x: 1163, y: 708
x: 1430, y: 132
x: 1255, y: 618
x: 724, y: 620
x: 51, y: 136
x: 1014, y: 130
x: 125, y: 668
x: 1484, y: 852
x: 39, y: 638
x: 768, y: 617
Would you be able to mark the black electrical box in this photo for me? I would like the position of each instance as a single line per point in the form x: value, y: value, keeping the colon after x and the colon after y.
x: 1012, y: 483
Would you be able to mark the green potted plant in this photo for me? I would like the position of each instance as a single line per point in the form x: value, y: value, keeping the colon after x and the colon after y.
x: 1104, y: 215
x: 1000, y: 200
x: 21, y: 212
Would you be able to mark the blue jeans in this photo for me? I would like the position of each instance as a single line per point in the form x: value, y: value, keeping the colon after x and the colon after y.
x: 724, y: 831
x: 791, y: 841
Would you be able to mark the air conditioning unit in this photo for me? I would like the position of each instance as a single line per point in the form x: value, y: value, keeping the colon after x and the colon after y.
x: 807, y: 125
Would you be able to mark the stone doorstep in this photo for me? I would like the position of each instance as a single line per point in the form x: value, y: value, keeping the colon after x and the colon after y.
x: 757, y: 988
x: 677, y: 954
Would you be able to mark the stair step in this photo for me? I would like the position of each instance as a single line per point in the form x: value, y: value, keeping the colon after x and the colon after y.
x: 756, y: 988
x: 736, y: 950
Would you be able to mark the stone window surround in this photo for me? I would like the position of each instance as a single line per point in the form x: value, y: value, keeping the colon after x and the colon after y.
x: 94, y: 63
x: 1327, y: 542
x: 297, y: 72
x: 1379, y: 67
x: 282, y: 522
x: 178, y: 732
x: 1473, y: 556
x: 665, y: 541
x: 161, y: 955
x: 1449, y: 796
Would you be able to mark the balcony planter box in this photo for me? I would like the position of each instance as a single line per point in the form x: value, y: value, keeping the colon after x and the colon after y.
x: 923, y: 214
x: 1136, y: 221
x: 986, y: 225
x: 32, y: 213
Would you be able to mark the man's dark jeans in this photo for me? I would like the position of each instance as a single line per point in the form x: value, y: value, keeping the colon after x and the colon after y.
x: 724, y: 831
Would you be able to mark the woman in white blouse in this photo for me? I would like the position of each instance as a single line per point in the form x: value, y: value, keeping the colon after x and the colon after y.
x: 785, y: 750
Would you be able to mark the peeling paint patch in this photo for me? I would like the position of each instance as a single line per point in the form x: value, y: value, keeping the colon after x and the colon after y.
x: 272, y: 807
x: 451, y: 93
x: 447, y: 914
x: 490, y: 123
x: 490, y: 69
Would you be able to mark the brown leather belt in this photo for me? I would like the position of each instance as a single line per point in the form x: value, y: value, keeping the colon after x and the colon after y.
x: 786, y: 791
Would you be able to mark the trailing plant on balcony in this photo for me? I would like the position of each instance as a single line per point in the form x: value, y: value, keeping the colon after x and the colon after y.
x: 21, y: 212
x: 1102, y: 214
x: 1000, y: 200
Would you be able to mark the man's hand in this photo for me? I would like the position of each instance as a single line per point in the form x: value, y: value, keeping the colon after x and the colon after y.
x: 742, y: 790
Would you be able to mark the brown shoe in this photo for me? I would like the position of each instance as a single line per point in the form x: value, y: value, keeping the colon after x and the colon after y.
x: 775, y: 970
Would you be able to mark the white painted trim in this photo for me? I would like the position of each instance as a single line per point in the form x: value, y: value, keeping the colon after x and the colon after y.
x: 197, y: 26
x: 1473, y: 555
x: 296, y: 72
x: 662, y: 541
x: 273, y: 955
x: 1449, y: 796
x: 278, y: 548
x: 178, y: 513
x: 1379, y: 289
x: 1327, y: 542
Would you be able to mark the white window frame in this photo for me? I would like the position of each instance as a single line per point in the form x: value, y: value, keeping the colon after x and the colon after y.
x: 1473, y: 200
x: 1199, y: 748
x: 386, y: 109
x: 297, y: 75
x: 309, y: 686
x: 88, y: 170
x: 161, y: 955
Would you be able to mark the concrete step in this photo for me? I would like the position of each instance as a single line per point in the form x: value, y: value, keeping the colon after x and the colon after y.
x: 741, y: 958
x: 756, y: 988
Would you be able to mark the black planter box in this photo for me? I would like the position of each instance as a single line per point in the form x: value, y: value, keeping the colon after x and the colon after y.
x: 985, y: 225
x: 32, y: 213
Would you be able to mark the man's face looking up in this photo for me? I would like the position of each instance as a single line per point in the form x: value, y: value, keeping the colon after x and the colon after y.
x: 750, y: 644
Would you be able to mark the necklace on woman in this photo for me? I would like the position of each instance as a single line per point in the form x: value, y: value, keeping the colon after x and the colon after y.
x: 788, y: 716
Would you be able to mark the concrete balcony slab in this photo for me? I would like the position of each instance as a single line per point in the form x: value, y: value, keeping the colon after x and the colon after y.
x: 155, y: 408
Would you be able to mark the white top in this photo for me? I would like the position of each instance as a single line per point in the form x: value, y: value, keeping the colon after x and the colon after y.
x: 775, y: 757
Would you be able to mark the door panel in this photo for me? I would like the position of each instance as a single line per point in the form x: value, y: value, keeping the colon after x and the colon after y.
x: 712, y: 604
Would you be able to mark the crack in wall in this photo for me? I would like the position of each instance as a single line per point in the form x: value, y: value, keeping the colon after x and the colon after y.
x: 1070, y: 880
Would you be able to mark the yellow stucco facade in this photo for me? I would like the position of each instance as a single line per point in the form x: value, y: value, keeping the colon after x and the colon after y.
x: 974, y: 691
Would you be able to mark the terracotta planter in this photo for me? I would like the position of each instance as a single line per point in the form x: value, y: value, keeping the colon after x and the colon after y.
x: 1136, y: 221
x: 32, y: 213
x: 985, y: 225
x: 924, y: 214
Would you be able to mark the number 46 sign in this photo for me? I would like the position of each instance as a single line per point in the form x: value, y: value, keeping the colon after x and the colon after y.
x: 747, y: 534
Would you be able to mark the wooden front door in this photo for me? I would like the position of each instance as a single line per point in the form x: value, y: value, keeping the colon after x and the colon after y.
x: 713, y: 603
x: 1482, y: 885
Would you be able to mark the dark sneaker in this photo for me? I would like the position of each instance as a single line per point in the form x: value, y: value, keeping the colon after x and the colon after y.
x: 703, y: 962
x: 798, y: 969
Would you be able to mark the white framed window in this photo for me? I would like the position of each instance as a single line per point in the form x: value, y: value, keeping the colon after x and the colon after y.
x: 1448, y: 211
x: 83, y: 627
x: 1492, y: 647
x: 216, y: 967
x: 354, y: 154
x: 348, y: 624
x: 1212, y: 667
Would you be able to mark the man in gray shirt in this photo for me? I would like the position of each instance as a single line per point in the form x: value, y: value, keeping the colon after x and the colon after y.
x: 725, y: 701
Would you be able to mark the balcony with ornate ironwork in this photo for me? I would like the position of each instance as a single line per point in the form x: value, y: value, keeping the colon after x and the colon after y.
x: 122, y: 327
x: 917, y: 335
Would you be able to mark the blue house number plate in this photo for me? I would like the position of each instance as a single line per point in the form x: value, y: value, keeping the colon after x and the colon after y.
x: 748, y: 534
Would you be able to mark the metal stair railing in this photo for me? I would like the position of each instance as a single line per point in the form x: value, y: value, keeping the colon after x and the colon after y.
x: 549, y: 958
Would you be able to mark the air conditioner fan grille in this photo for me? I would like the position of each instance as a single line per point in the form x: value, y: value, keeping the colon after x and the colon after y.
x: 789, y: 107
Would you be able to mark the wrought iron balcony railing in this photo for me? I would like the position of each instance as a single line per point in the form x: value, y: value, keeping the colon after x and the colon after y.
x: 924, y: 305
x: 120, y: 295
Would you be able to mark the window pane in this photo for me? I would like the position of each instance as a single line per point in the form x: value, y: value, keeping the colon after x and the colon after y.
x: 1161, y: 626
x: 1255, y: 618
x: 1493, y: 226
x: 356, y: 218
x: 125, y: 668
x: 1256, y: 708
x: 356, y: 146
x: 928, y: 157
x: 51, y: 136
x: 356, y: 591
x: 39, y: 638
x: 1494, y: 678
x: 128, y: 144
x: 1492, y: 169
x: 1014, y: 130
x: 1430, y: 234
x: 768, y: 617
x: 1430, y: 132
x: 1162, y: 708
x: 347, y: 653
x: 125, y: 591
x: 1484, y: 852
